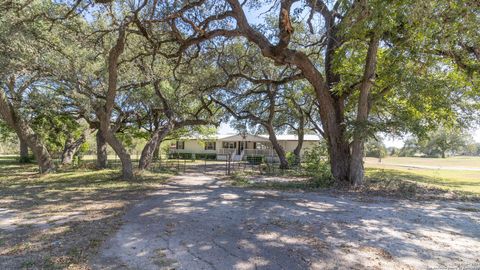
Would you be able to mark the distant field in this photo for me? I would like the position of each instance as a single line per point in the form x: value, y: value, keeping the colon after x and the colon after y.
x: 464, y: 162
x: 456, y: 173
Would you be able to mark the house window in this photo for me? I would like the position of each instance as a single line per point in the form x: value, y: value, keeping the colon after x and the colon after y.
x: 210, y: 146
x: 261, y: 146
x: 229, y: 145
x: 180, y: 145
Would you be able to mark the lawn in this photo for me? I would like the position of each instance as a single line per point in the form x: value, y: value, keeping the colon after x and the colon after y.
x: 456, y: 176
x: 57, y: 221
x: 460, y: 161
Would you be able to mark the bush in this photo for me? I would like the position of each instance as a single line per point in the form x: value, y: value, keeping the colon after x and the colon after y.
x: 315, y: 156
x: 317, y: 166
x: 291, y: 158
x: 27, y: 159
x: 255, y: 160
x: 180, y: 155
x: 322, y: 176
x: 206, y: 156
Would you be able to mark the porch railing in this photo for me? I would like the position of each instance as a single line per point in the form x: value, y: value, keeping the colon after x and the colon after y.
x: 233, y: 152
x: 226, y: 151
x: 260, y: 152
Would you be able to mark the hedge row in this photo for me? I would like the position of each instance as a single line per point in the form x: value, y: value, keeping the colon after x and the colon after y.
x: 190, y: 156
x: 255, y: 160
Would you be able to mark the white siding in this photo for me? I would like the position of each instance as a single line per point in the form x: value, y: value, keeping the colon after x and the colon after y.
x: 196, y: 147
x: 289, y: 146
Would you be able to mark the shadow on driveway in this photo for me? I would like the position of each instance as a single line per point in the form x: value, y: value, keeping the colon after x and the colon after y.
x: 199, y: 222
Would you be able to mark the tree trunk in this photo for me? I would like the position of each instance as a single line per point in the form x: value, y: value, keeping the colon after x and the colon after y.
x: 356, y: 173
x: 156, y: 153
x: 116, y: 144
x: 298, y: 149
x: 104, y: 114
x: 332, y: 115
x: 70, y: 149
x: 278, y: 148
x: 356, y: 162
x: 68, y: 152
x: 300, y: 137
x: 152, y: 146
x: 24, y: 158
x: 340, y: 161
x: 123, y: 155
x: 27, y: 134
x: 102, y: 158
x: 44, y: 160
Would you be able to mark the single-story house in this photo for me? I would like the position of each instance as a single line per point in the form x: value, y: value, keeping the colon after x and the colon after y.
x: 237, y: 146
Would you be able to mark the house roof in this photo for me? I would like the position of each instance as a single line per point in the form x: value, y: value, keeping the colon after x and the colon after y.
x: 246, y: 137
x: 292, y: 137
x: 251, y: 137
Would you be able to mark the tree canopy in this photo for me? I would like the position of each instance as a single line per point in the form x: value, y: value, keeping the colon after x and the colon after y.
x: 343, y: 69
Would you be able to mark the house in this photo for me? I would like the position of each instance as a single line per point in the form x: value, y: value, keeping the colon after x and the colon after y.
x: 237, y: 147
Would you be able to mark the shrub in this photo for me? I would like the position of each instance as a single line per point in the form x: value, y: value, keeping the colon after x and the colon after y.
x: 408, y: 189
x: 254, y: 159
x: 240, y: 179
x: 322, y: 176
x: 206, y: 156
x: 180, y: 155
x: 291, y: 158
x: 27, y: 159
x: 315, y: 156
x: 317, y: 166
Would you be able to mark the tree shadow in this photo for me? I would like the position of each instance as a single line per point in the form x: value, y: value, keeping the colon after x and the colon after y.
x: 213, y: 226
x: 59, y: 220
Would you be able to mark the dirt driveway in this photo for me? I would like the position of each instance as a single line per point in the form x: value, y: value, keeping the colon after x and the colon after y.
x: 199, y: 222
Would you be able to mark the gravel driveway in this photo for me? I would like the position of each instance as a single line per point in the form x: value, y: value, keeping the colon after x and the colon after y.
x: 199, y: 222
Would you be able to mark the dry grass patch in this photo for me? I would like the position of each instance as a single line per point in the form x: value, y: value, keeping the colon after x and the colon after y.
x: 413, y: 184
x: 57, y: 221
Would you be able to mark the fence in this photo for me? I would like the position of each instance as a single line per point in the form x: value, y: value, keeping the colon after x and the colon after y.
x: 178, y: 164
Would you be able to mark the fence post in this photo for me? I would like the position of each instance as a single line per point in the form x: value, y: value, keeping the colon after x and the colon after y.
x: 160, y: 161
x: 178, y: 162
x: 229, y: 162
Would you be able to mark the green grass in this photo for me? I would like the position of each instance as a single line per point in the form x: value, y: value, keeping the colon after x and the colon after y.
x: 460, y: 161
x: 458, y: 181
x: 446, y: 177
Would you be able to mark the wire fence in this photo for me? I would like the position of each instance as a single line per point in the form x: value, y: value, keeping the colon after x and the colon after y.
x: 176, y: 164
